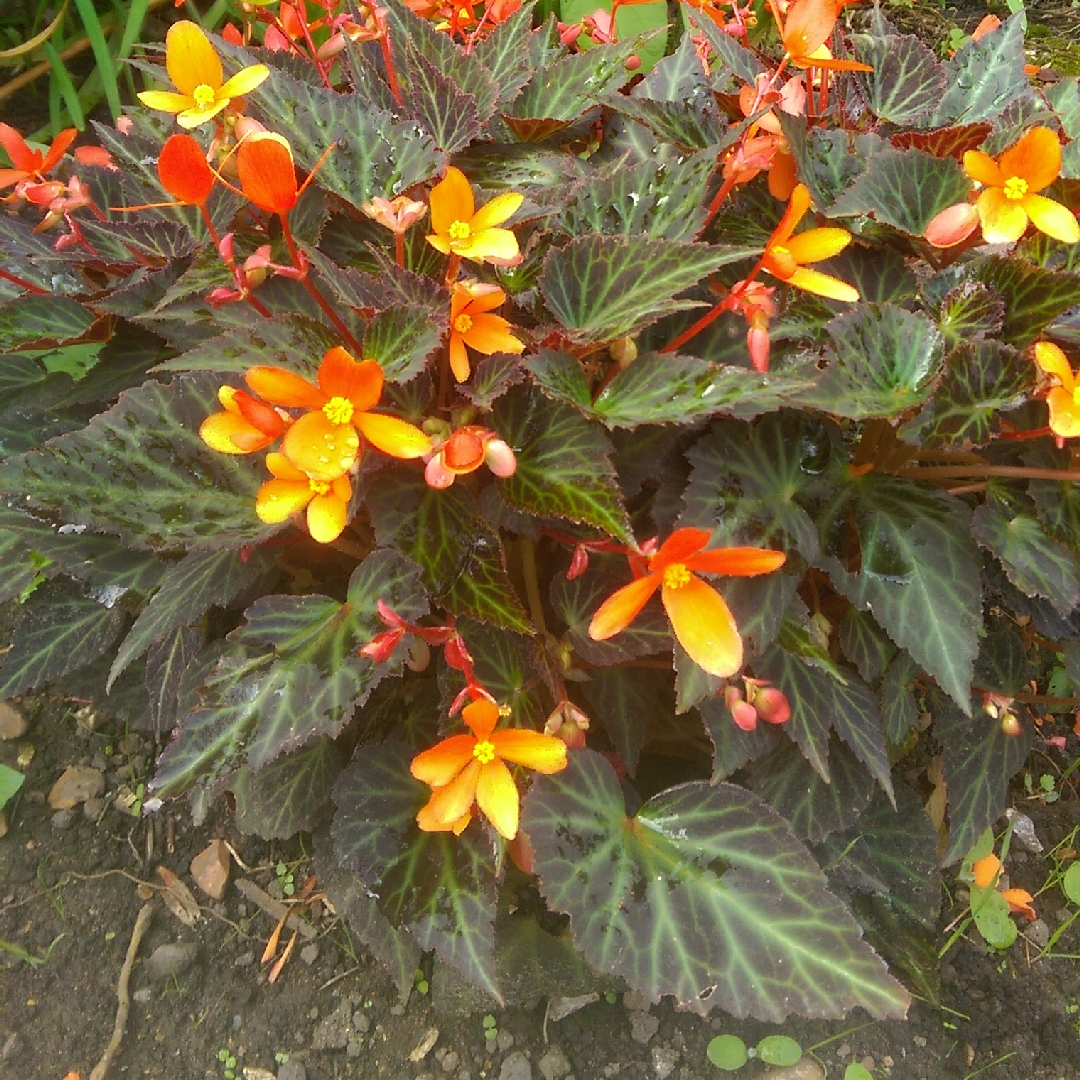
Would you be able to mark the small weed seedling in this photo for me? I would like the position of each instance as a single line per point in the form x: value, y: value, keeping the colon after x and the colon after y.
x: 729, y: 1052
x: 228, y: 1060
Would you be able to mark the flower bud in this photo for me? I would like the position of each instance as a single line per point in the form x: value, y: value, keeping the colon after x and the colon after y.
x: 745, y: 715
x: 771, y: 705
x: 953, y: 225
x: 437, y: 475
x: 632, y: 62
x: 568, y: 723
x: 1010, y: 725
x: 419, y: 655
x: 500, y: 458
x: 624, y: 352
x: 757, y: 344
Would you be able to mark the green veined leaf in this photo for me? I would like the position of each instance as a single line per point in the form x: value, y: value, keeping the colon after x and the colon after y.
x: 702, y: 875
x: 437, y: 102
x: 42, y: 318
x: 402, y: 339
x: 907, y: 82
x: 625, y: 700
x: 969, y: 312
x: 166, y: 662
x: 865, y: 644
x: 10, y: 782
x: 1033, y: 296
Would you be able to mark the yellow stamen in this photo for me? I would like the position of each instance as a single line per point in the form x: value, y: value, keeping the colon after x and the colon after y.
x: 484, y: 752
x: 463, y: 324
x: 319, y: 487
x: 1015, y: 187
x: 338, y: 410
x: 204, y: 96
x: 778, y: 251
x: 676, y: 576
x: 459, y: 230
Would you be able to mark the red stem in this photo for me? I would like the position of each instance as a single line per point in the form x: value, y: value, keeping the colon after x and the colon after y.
x: 399, y: 249
x: 388, y: 59
x: 24, y: 284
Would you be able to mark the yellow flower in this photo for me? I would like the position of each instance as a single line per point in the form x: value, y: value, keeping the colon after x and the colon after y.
x: 462, y: 230
x: 1063, y: 399
x: 196, y: 73
x: 472, y: 324
x: 1010, y: 198
x: 291, y: 490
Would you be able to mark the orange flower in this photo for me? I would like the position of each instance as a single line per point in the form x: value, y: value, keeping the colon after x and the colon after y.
x: 325, y: 443
x: 1010, y: 198
x: 464, y: 769
x: 986, y: 874
x: 264, y: 163
x: 472, y: 325
x: 183, y: 171
x: 699, y: 616
x: 462, y: 230
x: 327, y: 501
x: 195, y: 70
x: 805, y: 31
x: 27, y: 163
x: 246, y: 425
x: 785, y: 254
x: 1063, y: 399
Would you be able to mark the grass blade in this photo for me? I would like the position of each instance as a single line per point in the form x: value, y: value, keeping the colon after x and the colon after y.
x: 105, y: 63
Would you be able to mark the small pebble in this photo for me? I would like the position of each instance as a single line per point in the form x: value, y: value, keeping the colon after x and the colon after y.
x: 450, y: 1061
x: 169, y: 960
x: 1039, y: 933
x: 504, y: 1040
x: 867, y: 1063
x: 310, y: 953
x: 12, y: 722
x: 920, y: 1040
x: 237, y: 1022
x: 635, y: 1002
x: 516, y: 1067
x: 92, y: 809
x: 142, y: 995
x: 62, y: 820
x: 292, y: 1070
x: 553, y: 1065
x: 244, y: 960
x: 643, y: 1026
x: 361, y: 1022
x: 844, y: 1051
x: 664, y: 1060
x: 887, y: 1062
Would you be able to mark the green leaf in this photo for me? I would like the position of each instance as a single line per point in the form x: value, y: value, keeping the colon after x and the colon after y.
x: 824, y: 159
x: 293, y: 673
x: 981, y: 380
x: 1034, y: 563
x: 815, y: 808
x: 691, y: 124
x: 59, y: 630
x: 779, y: 1050
x: 506, y: 665
x: 625, y: 700
x: 19, y: 567
x: 115, y: 474
x: 291, y: 342
x: 605, y: 287
x: 42, y: 318
x: 899, y: 710
x: 985, y: 76
x: 857, y: 1071
x: 879, y: 273
x: 661, y: 388
x: 1070, y: 883
x: 438, y: 103
x: 1032, y: 296
x: 512, y: 52
x: 970, y: 312
x: 907, y: 82
x: 188, y: 590
x: 979, y: 762
x: 563, y: 463
x: 166, y: 662
x: 699, y: 895
x: 884, y: 359
x: 990, y: 910
x: 438, y: 886
x: 285, y: 798
x: 461, y: 558
x: 560, y: 376
x: 727, y: 1052
x: 402, y: 339
x: 491, y: 378
x: 10, y: 782
x: 904, y: 188
x: 731, y: 56
x: 865, y: 644
x: 918, y: 574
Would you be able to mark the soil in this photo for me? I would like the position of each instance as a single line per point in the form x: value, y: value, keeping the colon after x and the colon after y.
x: 69, y: 897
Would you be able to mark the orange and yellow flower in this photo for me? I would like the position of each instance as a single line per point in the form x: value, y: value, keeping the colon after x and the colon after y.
x: 184, y: 172
x: 264, y: 164
x: 1009, y: 198
x: 987, y: 872
x: 460, y: 229
x: 292, y: 490
x: 195, y: 70
x: 325, y: 442
x: 26, y: 163
x: 467, y: 769
x: 473, y: 325
x: 244, y: 426
x: 806, y: 29
x: 700, y: 618
x: 786, y: 255
x: 1064, y: 398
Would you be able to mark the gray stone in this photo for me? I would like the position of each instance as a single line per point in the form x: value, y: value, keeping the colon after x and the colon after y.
x: 516, y: 1067
x: 664, y: 1060
x: 169, y: 960
x: 333, y: 1033
x: 807, y: 1069
x: 292, y: 1070
x: 643, y: 1026
x: 361, y: 1022
x: 92, y: 808
x: 635, y: 1002
x: 1039, y: 933
x: 142, y: 995
x: 553, y: 1065
x: 62, y: 820
x: 12, y: 722
x: 504, y: 1040
x: 244, y: 960
x: 450, y: 1061
x: 309, y: 953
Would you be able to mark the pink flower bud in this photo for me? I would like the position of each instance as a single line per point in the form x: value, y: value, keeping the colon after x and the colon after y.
x: 632, y: 62
x: 227, y: 248
x: 568, y: 723
x: 569, y: 34
x: 745, y: 715
x: 245, y: 126
x: 771, y: 705
x: 579, y: 562
x: 953, y: 225
x: 500, y: 458
x: 757, y: 344
x: 437, y: 474
x: 1010, y: 725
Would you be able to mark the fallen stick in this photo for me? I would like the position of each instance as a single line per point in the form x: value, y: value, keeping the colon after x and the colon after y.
x: 124, y: 1002
x: 275, y: 908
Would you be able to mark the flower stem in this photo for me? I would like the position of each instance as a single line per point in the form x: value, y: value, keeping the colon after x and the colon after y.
x: 1011, y: 472
x: 532, y: 586
x: 23, y: 284
x: 399, y: 249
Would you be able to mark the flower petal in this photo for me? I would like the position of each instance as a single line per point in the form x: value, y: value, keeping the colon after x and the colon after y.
x: 281, y: 467
x: 278, y: 500
x: 491, y: 244
x: 427, y: 823
x: 1003, y: 220
x: 393, y: 436
x: 165, y: 101
x: 439, y: 243
x: 678, y: 547
x: 705, y: 627
x: 737, y: 561
x: 481, y: 716
x: 322, y: 449
x: 497, y: 797
x: 58, y: 148
x: 817, y: 244
x: 451, y: 200
x: 452, y: 802
x: 459, y: 357
x: 1019, y: 901
x: 1036, y: 158
x: 797, y: 206
x: 281, y: 387
x: 1064, y: 413
x: 983, y: 169
x: 486, y: 301
x: 244, y: 81
x: 264, y: 163
x: 183, y: 171
x: 327, y: 516
x: 496, y: 211
x: 218, y: 429
x: 1052, y: 218
x: 359, y: 381
x: 985, y: 871
x: 620, y: 609
x: 23, y: 158
x: 813, y: 281
x: 544, y: 753
x: 190, y: 58
x: 439, y: 765
x: 192, y: 118
x: 1053, y: 361
x: 491, y: 334
x: 808, y: 26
